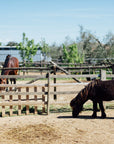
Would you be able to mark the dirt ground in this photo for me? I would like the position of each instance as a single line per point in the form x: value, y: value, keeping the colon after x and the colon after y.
x: 58, y: 128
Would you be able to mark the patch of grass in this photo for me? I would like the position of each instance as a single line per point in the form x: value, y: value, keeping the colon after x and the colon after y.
x: 87, y: 107
x: 55, y: 109
x: 60, y: 109
x: 110, y: 106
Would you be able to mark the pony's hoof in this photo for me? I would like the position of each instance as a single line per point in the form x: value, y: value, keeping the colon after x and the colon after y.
x: 103, y: 116
x: 94, y: 115
x: 74, y: 116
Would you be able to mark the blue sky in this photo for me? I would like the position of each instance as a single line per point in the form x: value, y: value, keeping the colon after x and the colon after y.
x: 54, y: 19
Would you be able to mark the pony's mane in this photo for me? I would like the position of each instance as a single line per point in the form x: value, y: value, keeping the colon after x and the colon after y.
x: 91, y: 85
x: 82, y: 95
x: 6, y: 60
x: 5, y: 63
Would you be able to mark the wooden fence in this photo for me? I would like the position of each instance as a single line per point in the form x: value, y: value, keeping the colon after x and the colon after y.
x: 49, y: 66
x: 40, y: 94
x: 21, y: 98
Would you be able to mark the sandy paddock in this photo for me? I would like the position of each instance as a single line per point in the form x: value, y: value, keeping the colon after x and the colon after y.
x: 58, y: 128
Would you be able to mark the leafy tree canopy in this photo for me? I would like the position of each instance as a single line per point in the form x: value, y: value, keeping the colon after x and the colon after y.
x: 93, y: 48
x: 27, y: 49
x: 11, y: 43
x: 71, y: 54
x: 44, y: 47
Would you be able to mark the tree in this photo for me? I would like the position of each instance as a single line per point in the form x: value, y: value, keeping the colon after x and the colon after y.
x: 56, y: 51
x: 93, y: 48
x: 27, y: 49
x: 71, y: 54
x: 87, y: 43
x: 44, y: 47
x: 11, y: 43
x: 109, y: 44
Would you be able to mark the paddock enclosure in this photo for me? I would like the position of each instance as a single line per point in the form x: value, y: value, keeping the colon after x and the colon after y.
x: 45, y: 86
x: 40, y: 89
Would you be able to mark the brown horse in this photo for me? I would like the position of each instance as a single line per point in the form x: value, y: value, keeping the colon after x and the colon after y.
x: 97, y: 91
x: 10, y: 62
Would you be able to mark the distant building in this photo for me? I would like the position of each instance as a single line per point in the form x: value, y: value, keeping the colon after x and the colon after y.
x: 12, y: 50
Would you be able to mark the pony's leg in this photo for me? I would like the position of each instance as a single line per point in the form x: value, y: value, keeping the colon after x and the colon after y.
x: 7, y: 83
x: 103, y: 114
x: 14, y: 83
x: 94, y: 115
x: 11, y: 81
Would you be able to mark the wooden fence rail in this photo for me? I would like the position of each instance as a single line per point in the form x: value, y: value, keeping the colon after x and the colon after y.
x: 64, y: 67
x: 55, y: 76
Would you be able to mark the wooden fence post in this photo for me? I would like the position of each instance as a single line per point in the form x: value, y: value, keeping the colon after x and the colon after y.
x: 3, y: 107
x: 19, y: 99
x: 27, y: 99
x: 54, y: 69
x: 48, y: 95
x: 43, y: 99
x: 10, y: 99
x: 103, y: 74
x: 35, y: 97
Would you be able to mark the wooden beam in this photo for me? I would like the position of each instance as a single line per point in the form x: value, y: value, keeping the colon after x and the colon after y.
x: 43, y: 100
x: 19, y: 99
x: 27, y: 99
x: 3, y: 107
x: 54, y: 69
x: 63, y: 70
x: 48, y: 96
x: 35, y: 98
x: 16, y: 103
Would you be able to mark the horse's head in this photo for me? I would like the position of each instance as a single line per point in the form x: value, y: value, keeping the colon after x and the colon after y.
x: 81, y: 98
x: 2, y: 81
x: 76, y: 107
x: 78, y: 101
x: 76, y: 110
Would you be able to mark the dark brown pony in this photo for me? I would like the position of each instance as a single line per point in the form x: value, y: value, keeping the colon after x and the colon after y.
x: 10, y: 62
x: 97, y: 91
